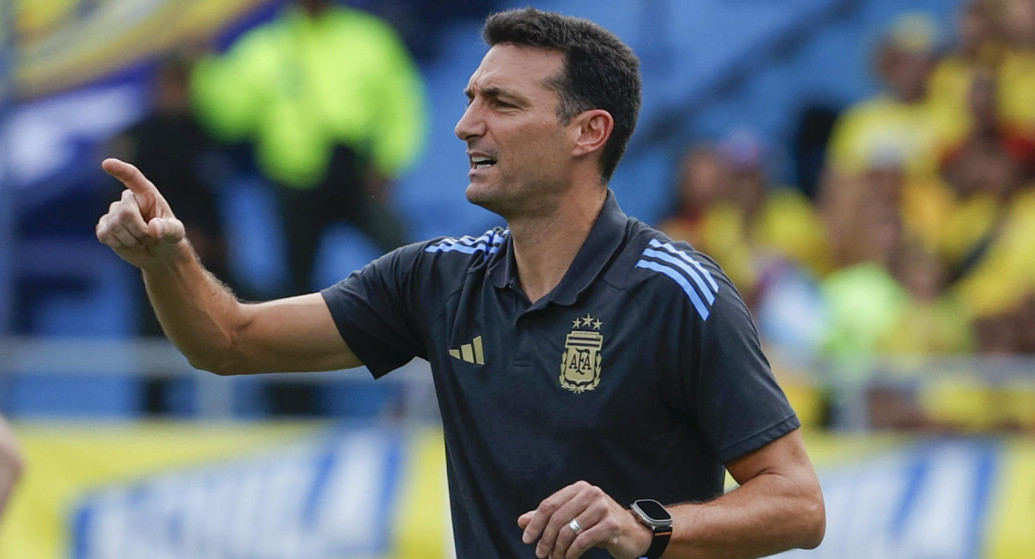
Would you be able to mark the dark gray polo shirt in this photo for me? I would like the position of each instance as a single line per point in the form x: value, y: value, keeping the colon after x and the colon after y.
x: 640, y: 373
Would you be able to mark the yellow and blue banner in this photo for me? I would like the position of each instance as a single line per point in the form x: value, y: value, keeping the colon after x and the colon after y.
x: 246, y: 490
x: 330, y: 491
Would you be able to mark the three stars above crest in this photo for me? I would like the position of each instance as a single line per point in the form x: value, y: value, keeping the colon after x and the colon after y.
x: 587, y: 322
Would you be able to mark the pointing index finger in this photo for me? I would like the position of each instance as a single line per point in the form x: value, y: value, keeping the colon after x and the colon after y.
x: 145, y: 191
x: 128, y: 175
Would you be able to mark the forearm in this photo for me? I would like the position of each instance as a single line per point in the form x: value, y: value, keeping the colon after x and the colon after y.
x: 218, y: 333
x: 768, y: 514
x: 197, y: 312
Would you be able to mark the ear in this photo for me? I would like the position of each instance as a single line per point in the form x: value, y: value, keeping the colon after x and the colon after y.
x: 592, y: 129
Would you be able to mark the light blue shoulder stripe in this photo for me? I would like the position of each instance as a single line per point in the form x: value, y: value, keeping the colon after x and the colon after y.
x: 469, y: 240
x: 704, y: 272
x: 682, y: 265
x: 702, y: 309
x: 455, y: 248
x: 489, y: 243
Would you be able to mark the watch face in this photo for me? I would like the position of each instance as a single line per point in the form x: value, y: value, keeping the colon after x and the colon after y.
x: 653, y: 510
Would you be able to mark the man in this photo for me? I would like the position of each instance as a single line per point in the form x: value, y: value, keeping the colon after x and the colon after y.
x: 661, y: 382
x: 333, y: 105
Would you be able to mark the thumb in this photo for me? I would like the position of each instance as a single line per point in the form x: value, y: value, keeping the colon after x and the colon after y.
x: 169, y: 230
x: 524, y: 519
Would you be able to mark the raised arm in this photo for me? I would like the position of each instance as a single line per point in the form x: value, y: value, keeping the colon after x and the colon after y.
x: 213, y: 329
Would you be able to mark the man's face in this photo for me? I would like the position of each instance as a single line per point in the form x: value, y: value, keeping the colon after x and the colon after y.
x: 908, y: 74
x: 704, y: 178
x: 518, y: 151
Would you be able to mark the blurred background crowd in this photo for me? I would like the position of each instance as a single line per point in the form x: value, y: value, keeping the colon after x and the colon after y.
x: 918, y: 231
x: 863, y: 171
x: 912, y: 232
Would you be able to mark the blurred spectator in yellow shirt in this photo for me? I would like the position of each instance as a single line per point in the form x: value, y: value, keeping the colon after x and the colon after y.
x: 729, y: 209
x: 901, y: 123
x: 1000, y: 283
x: 777, y: 219
x: 977, y: 45
x: 701, y: 179
x: 984, y: 171
x: 1017, y: 70
x: 989, y: 234
x: 933, y: 321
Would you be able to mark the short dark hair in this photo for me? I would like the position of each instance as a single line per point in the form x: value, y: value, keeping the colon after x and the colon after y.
x: 600, y: 71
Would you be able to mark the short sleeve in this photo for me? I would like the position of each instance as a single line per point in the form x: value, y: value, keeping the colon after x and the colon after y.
x: 729, y: 388
x: 374, y: 309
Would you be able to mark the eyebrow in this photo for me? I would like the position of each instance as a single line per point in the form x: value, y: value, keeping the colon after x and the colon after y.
x: 497, y: 93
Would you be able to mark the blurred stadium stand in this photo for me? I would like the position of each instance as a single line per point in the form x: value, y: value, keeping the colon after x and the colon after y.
x: 709, y: 66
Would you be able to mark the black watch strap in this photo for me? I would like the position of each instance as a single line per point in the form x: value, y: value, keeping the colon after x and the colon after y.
x: 659, y: 543
x: 653, y: 515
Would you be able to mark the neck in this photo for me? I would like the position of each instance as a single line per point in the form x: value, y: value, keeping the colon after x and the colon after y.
x: 546, y: 245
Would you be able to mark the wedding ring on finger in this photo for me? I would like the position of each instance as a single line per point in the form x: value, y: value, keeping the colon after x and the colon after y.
x: 575, y: 527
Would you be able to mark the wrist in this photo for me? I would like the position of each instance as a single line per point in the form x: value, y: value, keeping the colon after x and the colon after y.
x: 166, y: 257
x: 653, y: 516
x: 640, y: 536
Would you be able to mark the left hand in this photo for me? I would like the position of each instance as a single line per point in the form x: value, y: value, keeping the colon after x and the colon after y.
x: 604, y: 524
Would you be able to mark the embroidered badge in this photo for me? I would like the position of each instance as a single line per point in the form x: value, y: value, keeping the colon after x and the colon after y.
x: 580, y: 364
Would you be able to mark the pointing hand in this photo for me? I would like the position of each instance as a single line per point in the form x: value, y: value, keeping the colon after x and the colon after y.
x: 140, y: 227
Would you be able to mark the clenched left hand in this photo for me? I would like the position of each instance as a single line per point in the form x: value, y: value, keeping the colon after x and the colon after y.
x: 603, y: 522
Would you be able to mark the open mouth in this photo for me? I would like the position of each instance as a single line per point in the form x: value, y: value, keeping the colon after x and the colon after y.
x: 479, y: 162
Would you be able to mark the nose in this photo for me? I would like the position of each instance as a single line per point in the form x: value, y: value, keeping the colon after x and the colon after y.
x: 470, y: 124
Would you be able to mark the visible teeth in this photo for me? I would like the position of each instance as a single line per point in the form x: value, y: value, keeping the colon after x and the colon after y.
x: 482, y: 162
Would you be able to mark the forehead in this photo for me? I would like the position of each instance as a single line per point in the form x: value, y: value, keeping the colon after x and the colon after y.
x: 518, y: 69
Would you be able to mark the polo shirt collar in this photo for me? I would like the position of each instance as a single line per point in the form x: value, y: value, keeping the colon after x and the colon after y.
x: 600, y: 245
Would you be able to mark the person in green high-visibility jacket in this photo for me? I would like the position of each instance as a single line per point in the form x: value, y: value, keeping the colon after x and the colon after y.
x: 334, y: 106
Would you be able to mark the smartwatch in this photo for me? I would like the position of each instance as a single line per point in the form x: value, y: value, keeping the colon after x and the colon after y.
x: 653, y: 515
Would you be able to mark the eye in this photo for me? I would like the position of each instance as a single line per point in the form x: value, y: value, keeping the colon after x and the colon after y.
x: 504, y: 104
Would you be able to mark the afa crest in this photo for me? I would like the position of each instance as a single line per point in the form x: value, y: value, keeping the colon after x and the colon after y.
x: 580, y: 364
